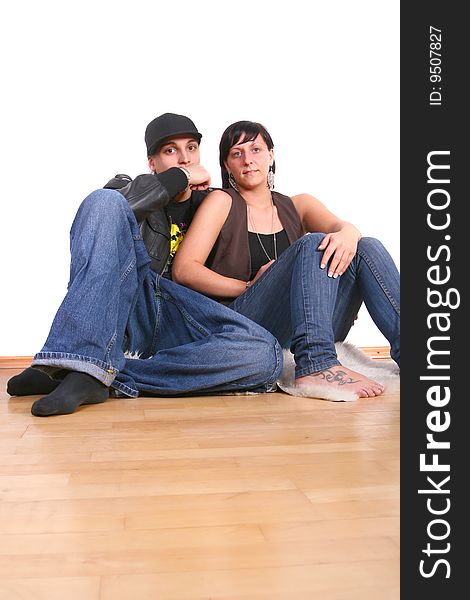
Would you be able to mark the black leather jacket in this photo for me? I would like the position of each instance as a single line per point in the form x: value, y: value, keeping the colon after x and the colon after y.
x: 148, y: 198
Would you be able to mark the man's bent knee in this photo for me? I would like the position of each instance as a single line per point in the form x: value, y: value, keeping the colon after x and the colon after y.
x: 104, y: 200
x: 270, y: 362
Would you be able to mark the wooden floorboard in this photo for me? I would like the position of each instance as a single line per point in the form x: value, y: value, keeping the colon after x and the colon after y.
x: 266, y: 497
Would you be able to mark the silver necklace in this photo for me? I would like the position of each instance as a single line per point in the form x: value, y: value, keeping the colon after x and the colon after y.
x: 272, y: 232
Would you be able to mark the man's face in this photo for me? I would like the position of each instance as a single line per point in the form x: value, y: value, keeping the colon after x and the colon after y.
x: 178, y: 151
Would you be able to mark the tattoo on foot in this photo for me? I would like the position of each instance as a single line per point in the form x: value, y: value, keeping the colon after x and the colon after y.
x: 340, y: 377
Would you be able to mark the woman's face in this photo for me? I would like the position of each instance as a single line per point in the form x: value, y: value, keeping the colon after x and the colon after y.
x: 249, y: 163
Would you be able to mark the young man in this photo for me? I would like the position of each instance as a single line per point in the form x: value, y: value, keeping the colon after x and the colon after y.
x: 123, y: 323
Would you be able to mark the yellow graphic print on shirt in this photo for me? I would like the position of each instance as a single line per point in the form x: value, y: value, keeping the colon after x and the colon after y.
x: 175, y: 239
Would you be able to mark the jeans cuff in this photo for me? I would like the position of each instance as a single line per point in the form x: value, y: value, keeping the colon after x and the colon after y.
x: 316, y: 367
x: 120, y: 390
x: 53, y: 362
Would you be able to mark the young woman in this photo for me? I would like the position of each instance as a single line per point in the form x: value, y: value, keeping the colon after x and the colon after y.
x: 247, y: 247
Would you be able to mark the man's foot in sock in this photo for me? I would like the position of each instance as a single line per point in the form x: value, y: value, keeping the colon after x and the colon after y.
x: 31, y: 381
x: 73, y: 391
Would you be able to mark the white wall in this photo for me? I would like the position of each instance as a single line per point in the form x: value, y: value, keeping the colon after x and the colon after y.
x: 81, y: 81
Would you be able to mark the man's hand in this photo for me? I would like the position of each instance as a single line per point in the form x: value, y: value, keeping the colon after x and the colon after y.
x: 199, y: 178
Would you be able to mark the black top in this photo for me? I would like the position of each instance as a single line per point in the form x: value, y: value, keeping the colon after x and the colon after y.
x: 258, y: 256
x: 230, y: 255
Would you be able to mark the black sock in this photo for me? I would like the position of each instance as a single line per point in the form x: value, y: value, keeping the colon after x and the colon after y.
x: 31, y: 381
x: 73, y: 391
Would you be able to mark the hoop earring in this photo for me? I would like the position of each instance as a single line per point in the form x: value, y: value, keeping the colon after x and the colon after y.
x: 233, y: 183
x: 271, y: 178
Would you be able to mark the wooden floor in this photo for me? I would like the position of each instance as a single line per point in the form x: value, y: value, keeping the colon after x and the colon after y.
x: 264, y: 497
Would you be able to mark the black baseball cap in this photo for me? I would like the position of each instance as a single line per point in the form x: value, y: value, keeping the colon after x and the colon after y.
x: 168, y: 125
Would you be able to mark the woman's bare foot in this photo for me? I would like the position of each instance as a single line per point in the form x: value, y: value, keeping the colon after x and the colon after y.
x: 341, y: 378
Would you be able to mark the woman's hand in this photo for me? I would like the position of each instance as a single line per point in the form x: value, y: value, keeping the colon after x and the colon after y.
x: 261, y: 271
x: 340, y: 247
x: 340, y: 242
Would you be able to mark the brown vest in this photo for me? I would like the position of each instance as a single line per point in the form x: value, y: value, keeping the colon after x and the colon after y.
x: 230, y: 255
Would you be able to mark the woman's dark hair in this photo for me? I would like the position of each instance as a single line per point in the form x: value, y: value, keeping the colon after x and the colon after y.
x: 240, y: 132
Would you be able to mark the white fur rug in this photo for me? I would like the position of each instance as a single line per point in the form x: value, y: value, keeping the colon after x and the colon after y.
x: 385, y: 372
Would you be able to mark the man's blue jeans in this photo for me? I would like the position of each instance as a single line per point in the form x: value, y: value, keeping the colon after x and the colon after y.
x: 307, y: 310
x: 184, y: 341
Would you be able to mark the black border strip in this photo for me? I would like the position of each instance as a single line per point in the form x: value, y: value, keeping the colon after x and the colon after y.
x: 435, y: 257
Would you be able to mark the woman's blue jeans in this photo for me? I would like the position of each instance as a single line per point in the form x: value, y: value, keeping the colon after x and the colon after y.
x: 184, y: 341
x: 307, y: 310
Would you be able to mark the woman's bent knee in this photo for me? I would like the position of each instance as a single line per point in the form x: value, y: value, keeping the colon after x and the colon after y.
x: 367, y: 244
x: 310, y: 240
